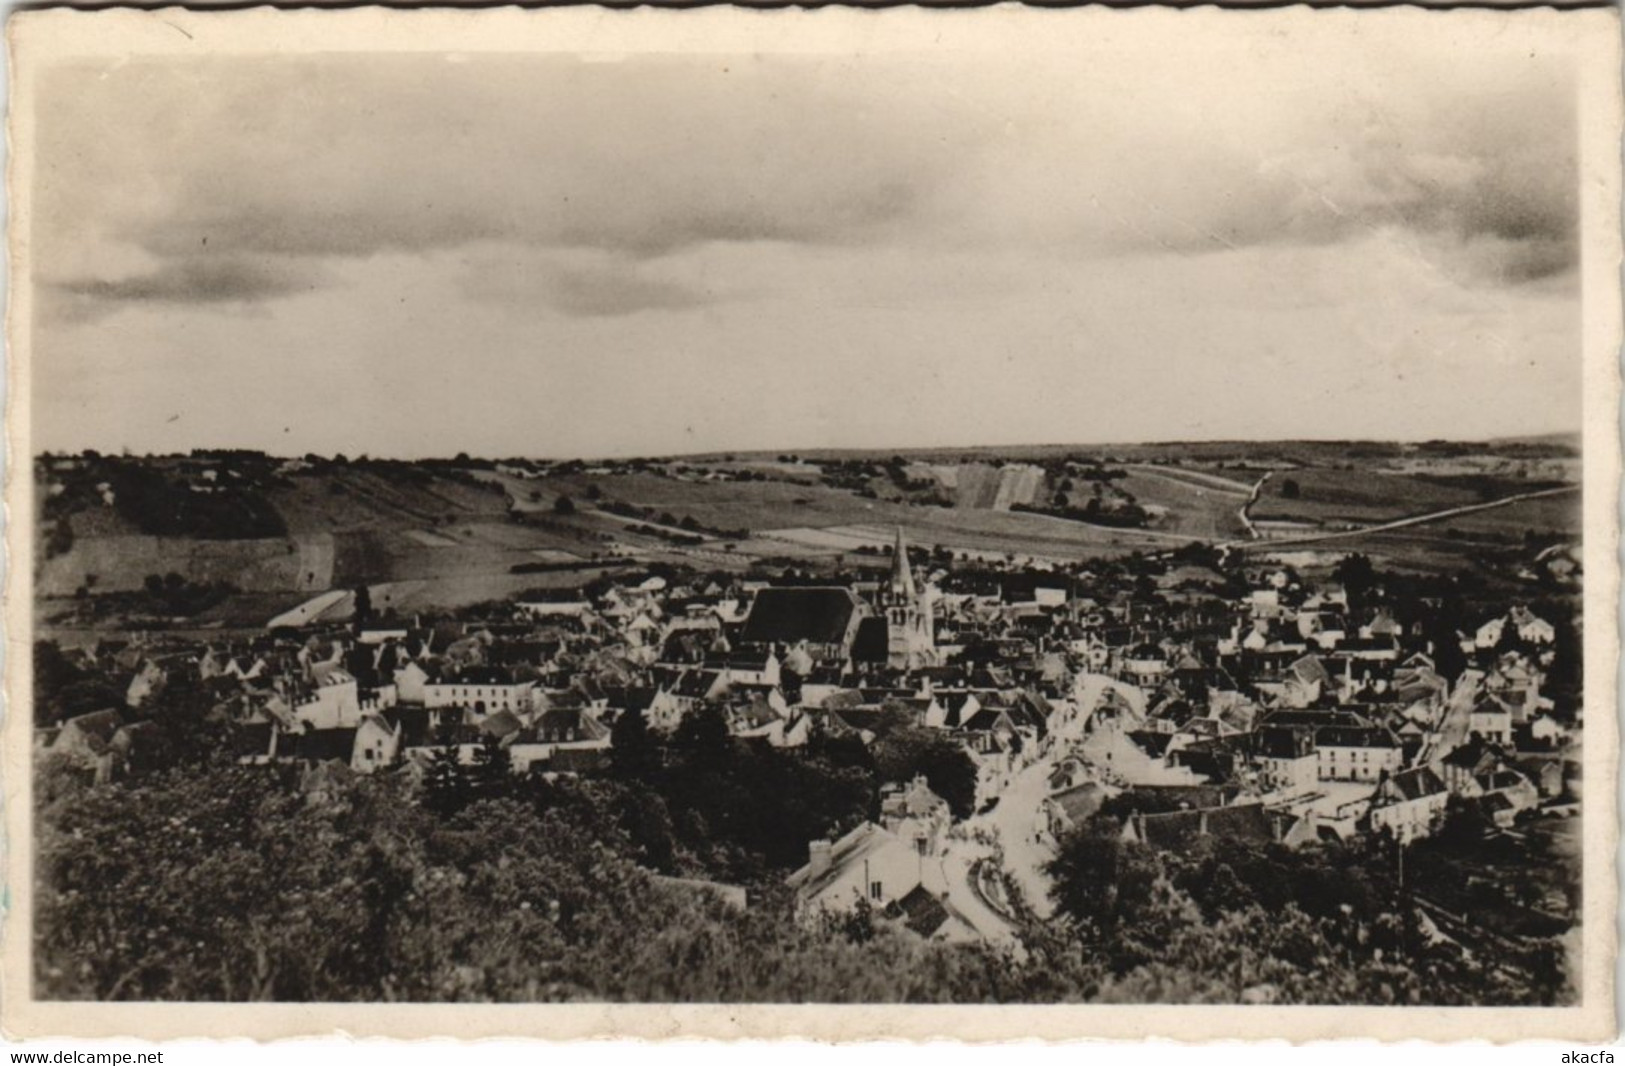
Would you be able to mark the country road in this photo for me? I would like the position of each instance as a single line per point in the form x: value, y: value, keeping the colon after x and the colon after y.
x: 1245, y: 514
x: 1398, y: 523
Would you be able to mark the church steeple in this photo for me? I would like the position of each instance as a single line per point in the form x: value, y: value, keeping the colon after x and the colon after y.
x: 902, y: 577
x: 908, y: 614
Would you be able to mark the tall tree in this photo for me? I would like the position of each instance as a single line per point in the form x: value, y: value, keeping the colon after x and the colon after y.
x: 491, y: 776
x: 632, y: 751
x: 446, y: 786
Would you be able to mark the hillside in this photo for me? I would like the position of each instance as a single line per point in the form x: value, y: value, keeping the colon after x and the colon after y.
x: 261, y: 531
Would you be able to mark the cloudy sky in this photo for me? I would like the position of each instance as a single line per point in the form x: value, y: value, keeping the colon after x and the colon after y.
x: 551, y: 255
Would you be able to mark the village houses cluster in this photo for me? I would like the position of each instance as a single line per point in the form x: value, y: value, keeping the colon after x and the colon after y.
x: 1279, y: 715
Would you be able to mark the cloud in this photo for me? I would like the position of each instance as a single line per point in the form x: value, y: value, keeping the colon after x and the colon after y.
x: 1487, y: 218
x: 275, y: 169
x: 594, y: 295
x: 576, y: 284
x: 355, y: 159
x: 206, y: 279
x: 1112, y: 239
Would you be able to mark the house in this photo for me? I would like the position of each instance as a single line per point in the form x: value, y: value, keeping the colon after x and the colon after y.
x: 1463, y: 767
x: 1145, y: 664
x: 870, y: 864
x: 1069, y: 808
x: 1492, y: 718
x: 377, y: 742
x: 147, y: 682
x: 332, y: 700
x: 1305, y: 681
x: 793, y: 731
x: 1287, y: 759
x: 665, y: 711
x: 482, y: 690
x: 914, y: 813
x: 1127, y: 757
x: 570, y: 726
x: 1530, y: 628
x: 86, y: 741
x: 950, y: 710
x: 1356, y: 753
x: 318, y: 745
x: 1545, y: 773
x: 1521, y: 793
x: 1409, y: 804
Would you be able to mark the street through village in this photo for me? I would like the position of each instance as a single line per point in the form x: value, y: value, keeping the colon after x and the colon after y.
x: 1014, y: 821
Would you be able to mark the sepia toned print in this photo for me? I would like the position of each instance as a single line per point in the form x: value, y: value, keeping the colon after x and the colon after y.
x: 725, y: 523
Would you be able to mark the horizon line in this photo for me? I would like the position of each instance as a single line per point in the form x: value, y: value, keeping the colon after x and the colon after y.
x: 1571, y: 437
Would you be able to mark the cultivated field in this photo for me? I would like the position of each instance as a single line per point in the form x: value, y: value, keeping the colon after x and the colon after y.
x: 1193, y: 504
x: 443, y: 533
x: 1337, y: 498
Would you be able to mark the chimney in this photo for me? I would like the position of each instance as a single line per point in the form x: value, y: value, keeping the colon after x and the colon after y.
x: 818, y: 852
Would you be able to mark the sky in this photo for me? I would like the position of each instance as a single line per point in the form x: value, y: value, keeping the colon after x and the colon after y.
x: 558, y: 255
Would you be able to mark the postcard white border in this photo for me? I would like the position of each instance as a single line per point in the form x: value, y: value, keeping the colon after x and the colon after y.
x: 40, y: 38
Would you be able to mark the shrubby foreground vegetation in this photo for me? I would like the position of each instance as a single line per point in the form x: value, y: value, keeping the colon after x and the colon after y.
x: 199, y: 879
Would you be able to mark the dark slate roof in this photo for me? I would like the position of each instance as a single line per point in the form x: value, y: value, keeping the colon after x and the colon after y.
x: 413, y: 723
x: 481, y: 675
x: 1153, y: 744
x: 1314, y: 719
x: 1284, y: 743
x: 1310, y: 669
x: 1413, y: 784
x: 637, y: 699
x: 1355, y: 737
x: 1248, y: 822
x: 319, y: 745
x: 97, y: 726
x: 872, y: 643
x: 695, y: 684
x: 503, y: 723
x: 790, y: 615
x: 921, y: 911
x: 1501, y: 779
x: 983, y: 720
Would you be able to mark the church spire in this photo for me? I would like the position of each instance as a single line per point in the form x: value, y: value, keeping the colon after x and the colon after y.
x: 902, y: 578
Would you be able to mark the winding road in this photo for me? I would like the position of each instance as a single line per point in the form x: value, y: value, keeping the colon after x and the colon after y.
x: 1015, y: 818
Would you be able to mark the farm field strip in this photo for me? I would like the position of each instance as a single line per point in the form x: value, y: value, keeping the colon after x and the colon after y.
x: 1405, y: 523
x: 1195, y: 479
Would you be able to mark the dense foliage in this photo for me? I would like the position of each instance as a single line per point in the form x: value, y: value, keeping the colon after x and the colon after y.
x: 207, y: 880
x: 1228, y: 921
x: 232, y: 883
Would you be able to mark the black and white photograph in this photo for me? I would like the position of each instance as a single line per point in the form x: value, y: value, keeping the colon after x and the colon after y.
x: 832, y: 517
